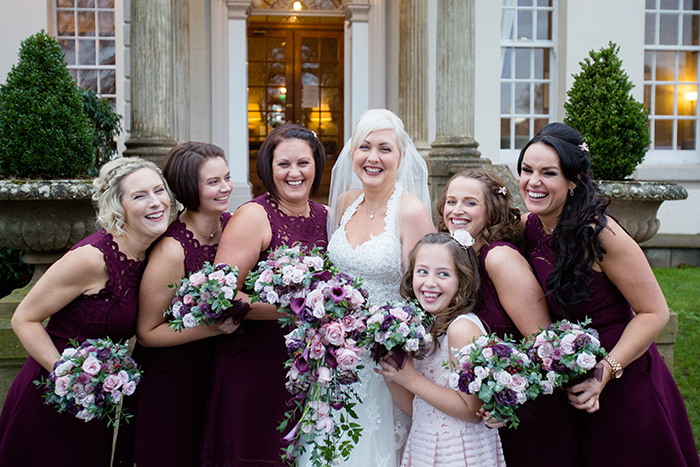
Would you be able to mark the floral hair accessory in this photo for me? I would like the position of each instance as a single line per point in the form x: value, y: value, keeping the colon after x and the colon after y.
x: 503, y: 190
x: 583, y: 146
x: 463, y: 238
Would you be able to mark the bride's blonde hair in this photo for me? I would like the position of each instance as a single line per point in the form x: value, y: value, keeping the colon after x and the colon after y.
x: 375, y: 120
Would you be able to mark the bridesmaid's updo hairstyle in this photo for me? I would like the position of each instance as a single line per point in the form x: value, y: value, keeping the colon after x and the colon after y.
x: 108, y: 191
x: 467, y: 268
x: 575, y: 238
x: 375, y: 120
x: 282, y: 133
x: 181, y: 169
x: 503, y: 222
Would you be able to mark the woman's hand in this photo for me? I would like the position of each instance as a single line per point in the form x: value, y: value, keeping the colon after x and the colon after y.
x: 403, y: 376
x: 585, y: 395
x: 489, y: 420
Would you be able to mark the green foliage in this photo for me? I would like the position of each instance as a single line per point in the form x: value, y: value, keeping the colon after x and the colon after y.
x: 106, y: 123
x: 680, y: 287
x: 44, y: 131
x: 613, y: 123
x: 14, y: 273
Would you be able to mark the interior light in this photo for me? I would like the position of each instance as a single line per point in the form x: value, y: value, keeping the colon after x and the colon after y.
x: 296, y: 6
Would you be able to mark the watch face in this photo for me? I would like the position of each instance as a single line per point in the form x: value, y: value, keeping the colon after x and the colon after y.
x: 618, y: 374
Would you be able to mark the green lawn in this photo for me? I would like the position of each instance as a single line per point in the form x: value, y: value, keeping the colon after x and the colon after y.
x: 682, y: 290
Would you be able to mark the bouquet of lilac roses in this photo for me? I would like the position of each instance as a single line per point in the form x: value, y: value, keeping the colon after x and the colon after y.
x: 203, y: 296
x: 89, y: 380
x: 400, y: 326
x: 324, y: 360
x: 287, y: 274
x: 499, y: 373
x: 565, y: 351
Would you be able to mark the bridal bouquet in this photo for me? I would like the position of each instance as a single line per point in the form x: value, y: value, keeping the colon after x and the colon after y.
x: 499, y: 373
x: 287, y: 274
x: 203, y: 296
x: 324, y: 360
x: 398, y: 326
x: 565, y: 351
x: 89, y: 380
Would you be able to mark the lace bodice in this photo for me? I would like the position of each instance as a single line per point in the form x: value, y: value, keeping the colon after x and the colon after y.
x: 110, y: 312
x: 378, y: 260
x: 196, y: 254
x: 427, y: 418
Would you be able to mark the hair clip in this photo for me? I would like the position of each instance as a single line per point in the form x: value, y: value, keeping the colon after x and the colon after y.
x: 313, y: 133
x: 503, y: 190
x: 583, y: 146
x: 463, y: 238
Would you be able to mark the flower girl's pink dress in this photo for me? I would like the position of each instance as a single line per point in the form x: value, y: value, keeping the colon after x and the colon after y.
x: 437, y: 439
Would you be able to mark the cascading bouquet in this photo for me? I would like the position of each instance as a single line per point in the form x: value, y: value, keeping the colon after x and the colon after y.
x: 499, y: 373
x: 565, y: 351
x: 323, y: 365
x: 89, y: 380
x: 203, y: 296
x: 397, y: 329
x: 287, y: 274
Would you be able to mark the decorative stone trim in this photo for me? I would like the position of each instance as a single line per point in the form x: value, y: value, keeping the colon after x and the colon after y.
x: 639, y: 190
x: 32, y: 190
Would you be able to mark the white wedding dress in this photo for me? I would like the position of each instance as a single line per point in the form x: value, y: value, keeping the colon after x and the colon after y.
x: 378, y: 260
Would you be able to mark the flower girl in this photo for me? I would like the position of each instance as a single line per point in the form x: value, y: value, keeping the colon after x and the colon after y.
x: 446, y: 431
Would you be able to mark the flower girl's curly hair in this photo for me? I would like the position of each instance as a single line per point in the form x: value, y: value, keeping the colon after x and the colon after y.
x: 467, y: 268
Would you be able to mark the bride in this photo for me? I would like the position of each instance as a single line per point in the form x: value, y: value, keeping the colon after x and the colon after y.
x: 372, y: 229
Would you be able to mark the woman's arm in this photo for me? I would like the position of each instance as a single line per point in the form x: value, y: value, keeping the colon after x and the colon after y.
x: 80, y: 271
x: 453, y: 403
x: 627, y: 267
x: 166, y: 266
x: 414, y: 222
x: 246, y: 235
x: 518, y: 290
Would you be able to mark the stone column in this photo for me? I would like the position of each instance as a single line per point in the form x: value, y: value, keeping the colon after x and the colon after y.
x: 159, y: 77
x: 413, y: 71
x: 357, y: 62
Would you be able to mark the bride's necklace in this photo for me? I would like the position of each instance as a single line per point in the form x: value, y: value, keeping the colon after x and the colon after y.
x: 371, y: 213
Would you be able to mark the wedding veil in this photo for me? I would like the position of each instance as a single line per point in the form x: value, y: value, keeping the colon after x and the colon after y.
x: 412, y: 174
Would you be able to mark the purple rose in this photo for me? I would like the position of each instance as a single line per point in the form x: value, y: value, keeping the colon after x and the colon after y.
x: 388, y: 321
x: 347, y: 377
x: 506, y: 397
x: 582, y: 341
x: 502, y: 350
x: 207, y: 311
x: 112, y: 383
x: 293, y: 345
x: 464, y: 380
x: 307, y: 315
x: 103, y: 354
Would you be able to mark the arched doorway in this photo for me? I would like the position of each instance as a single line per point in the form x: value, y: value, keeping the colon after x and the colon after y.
x: 295, y: 74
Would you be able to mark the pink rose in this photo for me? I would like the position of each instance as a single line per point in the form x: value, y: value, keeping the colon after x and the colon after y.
x: 62, y: 385
x: 197, y: 279
x: 112, y: 383
x: 266, y: 276
x: 188, y: 299
x: 400, y: 314
x: 335, y: 334
x: 91, y: 365
x: 129, y: 388
x: 347, y: 359
x: 218, y: 276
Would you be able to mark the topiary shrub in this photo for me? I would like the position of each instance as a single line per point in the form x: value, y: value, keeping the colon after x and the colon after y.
x: 613, y: 123
x: 14, y: 273
x: 106, y: 123
x: 44, y: 131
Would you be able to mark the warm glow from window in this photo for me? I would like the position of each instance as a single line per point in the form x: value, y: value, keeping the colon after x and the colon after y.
x: 283, y: 90
x: 296, y: 6
x: 691, y: 96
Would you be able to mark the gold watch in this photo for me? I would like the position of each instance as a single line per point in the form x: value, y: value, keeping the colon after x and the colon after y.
x: 617, y: 369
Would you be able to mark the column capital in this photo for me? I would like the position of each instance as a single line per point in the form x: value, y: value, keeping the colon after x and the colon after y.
x: 356, y: 12
x: 239, y: 9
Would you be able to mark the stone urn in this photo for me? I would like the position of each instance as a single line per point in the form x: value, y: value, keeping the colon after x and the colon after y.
x: 635, y: 204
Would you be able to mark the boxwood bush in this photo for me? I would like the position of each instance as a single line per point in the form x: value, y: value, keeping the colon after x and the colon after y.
x: 44, y: 130
x: 613, y: 123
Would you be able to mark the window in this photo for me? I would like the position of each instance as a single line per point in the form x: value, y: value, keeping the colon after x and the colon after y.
x: 85, y: 30
x: 527, y: 66
x: 672, y: 43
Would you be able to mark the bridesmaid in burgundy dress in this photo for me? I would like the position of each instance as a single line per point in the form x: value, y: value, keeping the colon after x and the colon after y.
x: 512, y: 302
x: 90, y: 293
x: 248, y: 397
x: 630, y: 410
x: 169, y: 402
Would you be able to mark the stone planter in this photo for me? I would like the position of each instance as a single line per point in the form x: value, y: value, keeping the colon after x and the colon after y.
x: 635, y: 204
x: 44, y: 218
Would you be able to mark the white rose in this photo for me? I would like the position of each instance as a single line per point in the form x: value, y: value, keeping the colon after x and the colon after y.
x: 481, y: 372
x: 69, y: 352
x: 482, y: 341
x: 474, y: 386
x: 504, y: 378
x: 547, y: 387
x: 412, y: 345
x: 586, y: 360
x: 188, y: 321
x: 64, y: 368
x: 453, y: 381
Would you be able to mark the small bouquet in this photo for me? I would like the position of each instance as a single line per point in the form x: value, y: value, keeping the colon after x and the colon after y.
x: 565, y: 351
x: 500, y: 374
x: 323, y: 364
x: 89, y: 380
x: 396, y: 329
x: 287, y: 274
x: 203, y: 296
